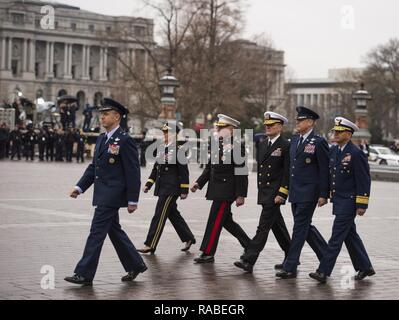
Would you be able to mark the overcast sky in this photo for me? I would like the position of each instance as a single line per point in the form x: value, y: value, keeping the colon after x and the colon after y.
x: 315, y: 34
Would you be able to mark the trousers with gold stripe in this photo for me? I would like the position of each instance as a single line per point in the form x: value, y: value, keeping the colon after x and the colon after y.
x: 344, y: 231
x: 221, y: 217
x: 167, y: 209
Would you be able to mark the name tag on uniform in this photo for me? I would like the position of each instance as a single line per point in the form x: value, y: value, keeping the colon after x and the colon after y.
x: 310, y: 148
x: 113, y: 149
x: 277, y: 153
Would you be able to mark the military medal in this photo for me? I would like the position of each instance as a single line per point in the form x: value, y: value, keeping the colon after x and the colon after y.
x: 111, y: 160
x: 113, y: 149
x: 308, y: 160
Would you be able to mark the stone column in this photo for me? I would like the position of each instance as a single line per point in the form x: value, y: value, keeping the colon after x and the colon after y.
x: 9, y: 53
x: 27, y: 69
x: 70, y: 60
x: 105, y: 63
x: 88, y: 62
x: 101, y: 68
x: 24, y: 55
x: 32, y: 55
x: 65, y: 59
x: 49, y: 59
x: 3, y: 54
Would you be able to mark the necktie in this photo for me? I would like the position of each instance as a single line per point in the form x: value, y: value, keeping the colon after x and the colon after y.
x: 300, y: 142
x: 269, y: 144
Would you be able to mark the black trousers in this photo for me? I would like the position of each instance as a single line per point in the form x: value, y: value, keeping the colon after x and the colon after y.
x: 41, y: 151
x: 80, y: 153
x: 270, y: 219
x: 167, y: 209
x: 29, y: 151
x: 2, y: 149
x: 16, y: 150
x: 106, y: 221
x: 49, y: 152
x: 69, y: 152
x: 221, y: 216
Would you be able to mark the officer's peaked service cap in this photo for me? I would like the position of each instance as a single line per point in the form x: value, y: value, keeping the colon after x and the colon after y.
x: 225, y: 121
x: 342, y: 124
x: 111, y: 104
x: 273, y: 117
x: 306, y: 113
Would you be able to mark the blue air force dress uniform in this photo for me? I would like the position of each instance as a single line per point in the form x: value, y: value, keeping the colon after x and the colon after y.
x: 171, y: 179
x: 273, y: 160
x: 227, y: 180
x: 309, y: 181
x: 350, y: 190
x: 115, y: 173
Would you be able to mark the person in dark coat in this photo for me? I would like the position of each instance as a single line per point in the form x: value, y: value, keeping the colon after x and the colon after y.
x: 273, y: 158
x: 42, y: 141
x: 16, y: 141
x: 3, y: 140
x: 308, y: 189
x: 350, y: 191
x: 115, y: 173
x: 227, y: 180
x: 171, y: 179
x: 69, y: 141
x: 59, y: 145
x: 80, y: 140
x: 30, y: 140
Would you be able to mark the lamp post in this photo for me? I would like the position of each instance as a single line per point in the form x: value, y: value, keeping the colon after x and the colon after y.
x: 168, y: 85
x: 361, y: 97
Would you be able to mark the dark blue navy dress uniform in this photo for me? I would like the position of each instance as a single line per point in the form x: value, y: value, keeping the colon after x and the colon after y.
x: 273, y: 160
x: 350, y: 190
x: 225, y: 185
x: 171, y: 179
x: 309, y: 181
x: 115, y: 173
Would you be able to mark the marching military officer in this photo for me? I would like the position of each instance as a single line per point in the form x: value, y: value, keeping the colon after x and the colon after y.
x: 115, y: 173
x: 171, y: 179
x: 227, y: 180
x: 308, y: 188
x: 273, y: 184
x: 350, y: 191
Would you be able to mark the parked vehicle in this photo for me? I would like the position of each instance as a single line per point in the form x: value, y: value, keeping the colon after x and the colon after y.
x: 383, y: 156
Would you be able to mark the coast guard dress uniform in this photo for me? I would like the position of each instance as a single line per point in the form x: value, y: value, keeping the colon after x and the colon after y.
x: 350, y: 190
x: 171, y: 179
x: 224, y: 187
x: 273, y: 160
x: 309, y: 181
x: 115, y: 173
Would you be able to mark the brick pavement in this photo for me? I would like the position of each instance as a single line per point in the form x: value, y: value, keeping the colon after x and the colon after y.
x: 40, y: 225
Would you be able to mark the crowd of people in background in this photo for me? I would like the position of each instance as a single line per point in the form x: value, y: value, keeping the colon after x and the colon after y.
x: 52, y: 144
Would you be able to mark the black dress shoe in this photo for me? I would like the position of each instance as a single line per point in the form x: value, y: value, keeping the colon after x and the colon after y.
x: 204, y: 259
x: 188, y: 245
x: 79, y: 280
x: 244, y: 266
x: 363, y: 274
x: 150, y: 250
x: 319, y: 276
x: 285, y: 274
x: 133, y: 274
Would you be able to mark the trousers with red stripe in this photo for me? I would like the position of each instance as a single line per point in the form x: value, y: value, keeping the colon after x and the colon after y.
x: 167, y: 209
x: 221, y: 217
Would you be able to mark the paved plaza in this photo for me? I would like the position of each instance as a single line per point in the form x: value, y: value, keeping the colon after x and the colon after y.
x: 41, y: 226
